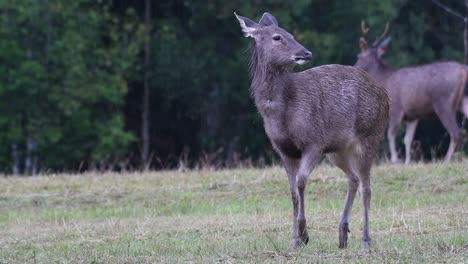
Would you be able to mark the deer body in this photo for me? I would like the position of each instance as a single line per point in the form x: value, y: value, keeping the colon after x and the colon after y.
x: 324, y: 104
x: 420, y: 90
x: 333, y: 109
x: 437, y: 89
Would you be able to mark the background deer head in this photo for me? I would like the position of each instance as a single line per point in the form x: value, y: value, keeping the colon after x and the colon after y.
x: 369, y: 58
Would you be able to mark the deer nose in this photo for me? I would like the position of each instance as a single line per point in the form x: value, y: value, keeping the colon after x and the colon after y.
x: 307, y: 54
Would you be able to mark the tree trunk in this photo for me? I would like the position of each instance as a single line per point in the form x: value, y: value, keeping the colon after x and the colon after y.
x: 30, y: 163
x: 145, y: 113
x: 15, y: 169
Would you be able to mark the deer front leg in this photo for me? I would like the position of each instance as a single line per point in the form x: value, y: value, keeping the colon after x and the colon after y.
x: 410, y: 130
x: 291, y: 166
x: 306, y: 165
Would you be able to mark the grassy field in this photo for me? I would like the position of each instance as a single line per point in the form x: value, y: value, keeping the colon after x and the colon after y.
x: 419, y: 214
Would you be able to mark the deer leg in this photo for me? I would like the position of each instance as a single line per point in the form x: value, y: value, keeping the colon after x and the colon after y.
x: 465, y: 106
x: 306, y: 165
x: 353, y: 184
x: 364, y: 164
x: 291, y: 166
x: 366, y: 198
x: 391, y: 134
x: 344, y: 161
x: 396, y: 116
x: 357, y: 169
x: 447, y: 117
x: 410, y: 130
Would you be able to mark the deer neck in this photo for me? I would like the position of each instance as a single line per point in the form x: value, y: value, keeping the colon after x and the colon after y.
x: 268, y: 84
x: 381, y: 72
x: 271, y: 86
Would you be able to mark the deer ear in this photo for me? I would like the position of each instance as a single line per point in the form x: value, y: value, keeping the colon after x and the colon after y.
x: 268, y: 20
x: 383, y: 46
x: 248, y: 26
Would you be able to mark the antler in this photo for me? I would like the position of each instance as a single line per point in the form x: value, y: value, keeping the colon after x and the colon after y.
x: 382, y: 37
x: 363, y: 40
x: 364, y: 29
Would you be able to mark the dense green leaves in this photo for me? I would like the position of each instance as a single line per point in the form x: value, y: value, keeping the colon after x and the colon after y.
x: 61, y: 89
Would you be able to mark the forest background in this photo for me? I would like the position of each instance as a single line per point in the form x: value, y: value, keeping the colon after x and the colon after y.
x: 118, y: 84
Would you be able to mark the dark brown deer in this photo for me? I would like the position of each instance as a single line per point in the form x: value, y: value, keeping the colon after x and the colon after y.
x: 333, y: 109
x: 437, y: 89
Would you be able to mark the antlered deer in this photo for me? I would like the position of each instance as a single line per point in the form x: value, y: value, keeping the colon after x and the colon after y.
x: 333, y: 109
x: 417, y: 92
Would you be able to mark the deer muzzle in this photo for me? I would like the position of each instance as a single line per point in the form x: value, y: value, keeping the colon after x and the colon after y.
x: 302, y: 57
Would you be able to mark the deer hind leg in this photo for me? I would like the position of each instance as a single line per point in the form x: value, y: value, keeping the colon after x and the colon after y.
x: 363, y: 163
x: 447, y: 117
x: 345, y: 162
x: 307, y: 163
x: 410, y: 130
x: 364, y: 178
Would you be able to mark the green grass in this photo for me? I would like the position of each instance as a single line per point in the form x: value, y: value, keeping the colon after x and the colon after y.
x: 419, y: 214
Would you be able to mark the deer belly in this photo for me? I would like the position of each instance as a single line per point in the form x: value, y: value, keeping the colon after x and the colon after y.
x: 416, y: 107
x: 287, y: 148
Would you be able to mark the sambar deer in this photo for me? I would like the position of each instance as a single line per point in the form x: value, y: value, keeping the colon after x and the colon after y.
x: 417, y: 92
x: 332, y: 109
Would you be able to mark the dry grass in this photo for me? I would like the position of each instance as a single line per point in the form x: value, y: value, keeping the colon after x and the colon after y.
x: 419, y: 214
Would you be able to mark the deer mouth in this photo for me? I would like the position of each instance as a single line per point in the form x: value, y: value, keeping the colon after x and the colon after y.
x: 301, y: 60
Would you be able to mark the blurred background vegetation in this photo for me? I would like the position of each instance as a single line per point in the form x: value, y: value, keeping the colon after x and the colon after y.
x: 118, y: 84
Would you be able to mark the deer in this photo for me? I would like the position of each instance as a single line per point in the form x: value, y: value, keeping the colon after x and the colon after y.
x: 438, y: 89
x: 333, y: 110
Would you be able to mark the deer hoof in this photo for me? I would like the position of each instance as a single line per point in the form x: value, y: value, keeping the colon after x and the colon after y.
x: 305, y: 238
x: 366, y: 243
x: 299, y: 242
x: 296, y: 245
x: 343, y: 235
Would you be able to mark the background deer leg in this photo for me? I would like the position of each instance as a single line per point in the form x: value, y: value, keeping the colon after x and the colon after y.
x: 391, y: 134
x: 291, y: 166
x: 396, y: 115
x: 410, y: 130
x: 465, y: 106
x: 306, y: 165
x: 447, y: 117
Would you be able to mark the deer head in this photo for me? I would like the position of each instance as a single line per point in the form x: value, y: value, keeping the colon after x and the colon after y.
x: 370, y: 57
x: 275, y: 45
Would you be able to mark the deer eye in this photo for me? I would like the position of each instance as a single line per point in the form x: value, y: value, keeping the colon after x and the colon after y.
x: 276, y: 37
